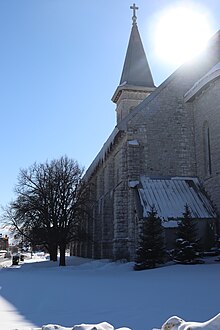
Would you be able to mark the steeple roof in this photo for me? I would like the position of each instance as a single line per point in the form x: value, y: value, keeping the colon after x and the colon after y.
x: 136, y: 74
x: 136, y: 70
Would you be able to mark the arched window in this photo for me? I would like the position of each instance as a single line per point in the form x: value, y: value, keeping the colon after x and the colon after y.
x: 207, y: 149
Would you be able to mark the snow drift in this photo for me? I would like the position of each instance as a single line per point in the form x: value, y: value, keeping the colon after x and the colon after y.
x: 176, y: 323
x: 173, y: 323
x: 99, y: 326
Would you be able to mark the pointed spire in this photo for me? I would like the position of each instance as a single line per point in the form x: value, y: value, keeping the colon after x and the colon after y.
x: 136, y: 70
x: 136, y: 80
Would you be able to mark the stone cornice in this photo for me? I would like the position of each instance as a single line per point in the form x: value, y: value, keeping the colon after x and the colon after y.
x: 130, y: 88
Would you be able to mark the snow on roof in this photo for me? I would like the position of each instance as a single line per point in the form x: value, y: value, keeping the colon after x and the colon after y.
x: 101, y: 155
x: 170, y: 195
x: 211, y: 75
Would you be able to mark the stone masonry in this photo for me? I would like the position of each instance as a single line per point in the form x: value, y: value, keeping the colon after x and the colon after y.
x: 159, y: 134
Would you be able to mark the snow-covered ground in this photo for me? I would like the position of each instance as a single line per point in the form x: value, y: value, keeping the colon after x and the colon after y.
x: 38, y: 293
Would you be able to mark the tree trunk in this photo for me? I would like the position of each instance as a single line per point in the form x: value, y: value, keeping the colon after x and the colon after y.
x: 62, y: 254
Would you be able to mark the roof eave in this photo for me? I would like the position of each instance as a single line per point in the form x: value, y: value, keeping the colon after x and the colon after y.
x: 201, y: 85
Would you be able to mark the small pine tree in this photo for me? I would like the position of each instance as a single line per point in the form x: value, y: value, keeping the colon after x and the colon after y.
x: 187, y: 228
x: 151, y: 248
x: 186, y: 243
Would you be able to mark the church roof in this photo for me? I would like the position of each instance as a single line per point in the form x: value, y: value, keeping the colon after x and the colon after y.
x: 102, y: 153
x: 211, y: 75
x: 170, y: 195
x: 136, y: 70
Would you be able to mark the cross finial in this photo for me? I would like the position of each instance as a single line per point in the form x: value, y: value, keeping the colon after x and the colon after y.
x: 134, y: 17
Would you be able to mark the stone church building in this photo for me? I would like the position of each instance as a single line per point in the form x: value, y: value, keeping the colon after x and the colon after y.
x: 164, y: 151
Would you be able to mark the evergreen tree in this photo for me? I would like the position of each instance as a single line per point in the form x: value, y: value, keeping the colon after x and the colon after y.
x: 186, y: 243
x: 151, y: 249
x: 210, y: 237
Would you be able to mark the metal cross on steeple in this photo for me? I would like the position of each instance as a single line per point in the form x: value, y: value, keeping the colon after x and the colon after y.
x: 134, y: 17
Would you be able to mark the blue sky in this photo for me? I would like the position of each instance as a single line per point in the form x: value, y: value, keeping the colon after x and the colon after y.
x: 60, y: 63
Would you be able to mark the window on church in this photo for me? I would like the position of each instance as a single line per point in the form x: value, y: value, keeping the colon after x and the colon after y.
x: 207, y: 149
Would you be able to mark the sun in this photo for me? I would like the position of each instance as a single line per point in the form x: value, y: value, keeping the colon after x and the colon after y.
x: 181, y: 32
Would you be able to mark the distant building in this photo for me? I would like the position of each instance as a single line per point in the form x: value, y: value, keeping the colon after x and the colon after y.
x: 164, y: 151
x: 4, y: 243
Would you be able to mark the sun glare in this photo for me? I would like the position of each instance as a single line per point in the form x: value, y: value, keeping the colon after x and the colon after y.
x: 182, y: 31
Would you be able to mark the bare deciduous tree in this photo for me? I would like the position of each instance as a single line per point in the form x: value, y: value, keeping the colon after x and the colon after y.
x: 51, y: 203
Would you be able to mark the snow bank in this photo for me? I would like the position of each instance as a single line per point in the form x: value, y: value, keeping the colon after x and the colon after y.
x: 176, y: 323
x: 173, y: 323
x: 99, y: 326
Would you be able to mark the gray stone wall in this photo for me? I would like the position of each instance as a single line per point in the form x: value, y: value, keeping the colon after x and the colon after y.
x: 163, y: 123
x: 165, y: 132
x: 127, y: 101
x: 159, y: 137
x: 110, y: 213
x: 207, y: 112
x: 120, y: 204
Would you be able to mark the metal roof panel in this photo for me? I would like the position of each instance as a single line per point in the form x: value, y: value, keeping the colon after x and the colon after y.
x: 170, y: 195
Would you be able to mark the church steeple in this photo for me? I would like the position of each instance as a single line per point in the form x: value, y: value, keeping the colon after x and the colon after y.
x: 136, y: 75
x: 136, y: 70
